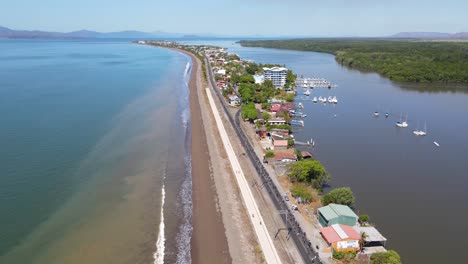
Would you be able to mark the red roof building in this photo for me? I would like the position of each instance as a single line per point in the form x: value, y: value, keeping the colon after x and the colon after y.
x: 341, y: 237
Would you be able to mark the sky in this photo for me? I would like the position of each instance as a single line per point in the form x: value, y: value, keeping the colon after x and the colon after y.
x: 364, y: 18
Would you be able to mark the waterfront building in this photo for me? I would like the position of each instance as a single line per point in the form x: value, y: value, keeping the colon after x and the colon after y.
x: 277, y: 121
x: 373, y: 238
x: 342, y: 238
x: 336, y: 214
x: 277, y: 75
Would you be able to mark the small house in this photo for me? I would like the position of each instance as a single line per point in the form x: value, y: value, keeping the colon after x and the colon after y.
x: 336, y: 214
x: 342, y: 238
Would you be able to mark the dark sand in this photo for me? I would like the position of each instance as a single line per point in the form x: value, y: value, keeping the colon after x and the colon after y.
x: 209, y: 242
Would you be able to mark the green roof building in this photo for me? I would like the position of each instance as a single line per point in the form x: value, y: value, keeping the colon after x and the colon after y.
x: 336, y: 214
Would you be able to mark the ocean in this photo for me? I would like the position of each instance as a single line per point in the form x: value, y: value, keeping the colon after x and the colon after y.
x: 95, y: 143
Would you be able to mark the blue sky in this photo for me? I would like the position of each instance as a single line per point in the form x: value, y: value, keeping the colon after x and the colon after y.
x: 240, y: 17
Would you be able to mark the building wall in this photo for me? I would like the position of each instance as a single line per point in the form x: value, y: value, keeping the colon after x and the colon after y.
x: 277, y: 77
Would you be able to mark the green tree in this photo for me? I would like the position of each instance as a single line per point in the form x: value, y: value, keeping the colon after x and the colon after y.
x: 389, y: 257
x: 270, y: 154
x: 298, y: 153
x: 310, y: 171
x: 363, y: 218
x: 266, y: 116
x: 249, y: 112
x: 289, y: 97
x: 246, y: 78
x: 291, y: 142
x: 301, y: 190
x: 342, y: 196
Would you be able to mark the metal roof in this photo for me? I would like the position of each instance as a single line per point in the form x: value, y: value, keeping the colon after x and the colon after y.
x: 342, y: 210
x: 372, y: 234
x: 327, y: 212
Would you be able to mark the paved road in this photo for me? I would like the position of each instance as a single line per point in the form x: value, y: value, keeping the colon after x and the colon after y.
x: 264, y: 239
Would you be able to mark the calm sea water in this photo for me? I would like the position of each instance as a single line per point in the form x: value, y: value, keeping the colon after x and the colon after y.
x: 89, y: 133
x: 414, y: 191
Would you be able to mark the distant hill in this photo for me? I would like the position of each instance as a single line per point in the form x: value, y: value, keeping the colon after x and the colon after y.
x: 431, y: 35
x: 10, y: 33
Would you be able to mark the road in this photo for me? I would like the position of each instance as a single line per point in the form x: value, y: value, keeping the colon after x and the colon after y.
x: 264, y: 239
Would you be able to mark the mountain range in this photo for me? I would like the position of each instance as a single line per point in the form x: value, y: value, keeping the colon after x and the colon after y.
x: 10, y: 33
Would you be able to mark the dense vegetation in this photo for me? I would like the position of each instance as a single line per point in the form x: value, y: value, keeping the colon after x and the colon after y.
x: 301, y: 190
x: 339, y: 196
x: 409, y: 61
x: 389, y: 257
x: 308, y: 171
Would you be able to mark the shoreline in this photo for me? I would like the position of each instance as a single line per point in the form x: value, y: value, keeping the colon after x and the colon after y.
x: 208, y: 242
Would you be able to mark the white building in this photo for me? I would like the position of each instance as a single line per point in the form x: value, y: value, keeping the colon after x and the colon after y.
x: 259, y: 78
x: 277, y: 75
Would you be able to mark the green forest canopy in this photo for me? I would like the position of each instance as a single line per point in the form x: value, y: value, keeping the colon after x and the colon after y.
x: 399, y: 60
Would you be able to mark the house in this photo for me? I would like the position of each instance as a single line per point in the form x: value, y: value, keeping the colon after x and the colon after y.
x: 285, y: 155
x: 336, y: 214
x: 221, y: 72
x: 279, y: 144
x: 275, y: 108
x: 259, y: 79
x: 277, y: 121
x: 234, y: 100
x: 262, y: 133
x: 220, y: 61
x: 342, y: 238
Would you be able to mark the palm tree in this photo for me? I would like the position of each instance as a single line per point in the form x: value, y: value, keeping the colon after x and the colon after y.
x: 362, y: 240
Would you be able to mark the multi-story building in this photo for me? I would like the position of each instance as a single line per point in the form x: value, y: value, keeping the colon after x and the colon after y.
x: 277, y: 75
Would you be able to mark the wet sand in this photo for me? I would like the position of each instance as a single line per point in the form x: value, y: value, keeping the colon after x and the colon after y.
x: 209, y: 243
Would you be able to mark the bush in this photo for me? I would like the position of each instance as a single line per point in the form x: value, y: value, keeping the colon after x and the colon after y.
x: 342, y: 196
x: 301, y: 190
x: 363, y: 218
x: 270, y: 154
x: 345, y: 256
x: 389, y: 257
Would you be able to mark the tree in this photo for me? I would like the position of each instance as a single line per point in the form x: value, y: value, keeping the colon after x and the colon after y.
x: 266, y: 116
x: 389, y: 257
x: 342, y: 196
x: 249, y: 112
x: 309, y: 171
x: 301, y: 190
x: 270, y: 154
x: 363, y: 218
x: 298, y: 153
x: 291, y: 142
x: 289, y: 97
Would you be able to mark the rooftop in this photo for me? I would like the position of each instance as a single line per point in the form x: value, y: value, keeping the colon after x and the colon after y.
x: 275, y: 69
x: 339, y: 232
x: 372, y: 234
x: 334, y: 210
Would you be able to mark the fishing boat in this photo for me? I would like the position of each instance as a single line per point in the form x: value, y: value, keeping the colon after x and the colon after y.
x: 314, y: 100
x: 295, y: 122
x: 401, y: 123
x: 418, y: 132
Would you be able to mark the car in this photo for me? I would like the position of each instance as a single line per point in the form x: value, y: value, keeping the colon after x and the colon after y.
x: 294, y: 207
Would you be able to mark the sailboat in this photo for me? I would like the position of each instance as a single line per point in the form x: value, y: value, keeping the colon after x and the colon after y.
x: 418, y: 132
x: 376, y: 113
x: 401, y: 123
x: 307, y: 92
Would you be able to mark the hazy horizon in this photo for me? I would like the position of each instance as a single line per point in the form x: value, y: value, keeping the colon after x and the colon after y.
x: 335, y: 18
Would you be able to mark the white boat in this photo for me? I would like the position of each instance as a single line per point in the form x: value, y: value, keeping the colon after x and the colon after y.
x: 307, y: 92
x: 376, y: 114
x: 437, y: 144
x: 300, y: 105
x: 401, y: 123
x: 334, y: 100
x: 418, y: 132
x: 297, y: 123
x: 314, y: 100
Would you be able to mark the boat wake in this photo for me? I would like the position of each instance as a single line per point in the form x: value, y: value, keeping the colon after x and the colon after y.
x: 160, y: 244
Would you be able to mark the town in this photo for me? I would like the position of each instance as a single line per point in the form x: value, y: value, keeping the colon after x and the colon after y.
x: 263, y: 96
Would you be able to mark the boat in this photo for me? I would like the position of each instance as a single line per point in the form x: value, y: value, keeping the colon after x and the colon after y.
x: 300, y: 105
x: 437, y: 144
x: 314, y: 100
x: 386, y: 115
x: 376, y: 114
x: 334, y: 100
x: 295, y: 122
x: 307, y: 92
x: 401, y: 123
x: 418, y: 132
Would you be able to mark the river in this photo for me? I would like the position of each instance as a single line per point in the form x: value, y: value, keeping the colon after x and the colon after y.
x: 414, y: 191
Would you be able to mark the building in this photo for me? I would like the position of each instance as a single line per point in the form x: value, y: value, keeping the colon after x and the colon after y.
x: 221, y: 72
x: 259, y: 79
x: 285, y: 155
x: 372, y: 236
x: 234, y: 100
x: 277, y: 121
x: 336, y: 214
x: 277, y: 75
x: 342, y: 238
x: 279, y: 144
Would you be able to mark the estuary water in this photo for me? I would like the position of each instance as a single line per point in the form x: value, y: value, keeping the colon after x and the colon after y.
x: 415, y: 192
x: 92, y: 134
